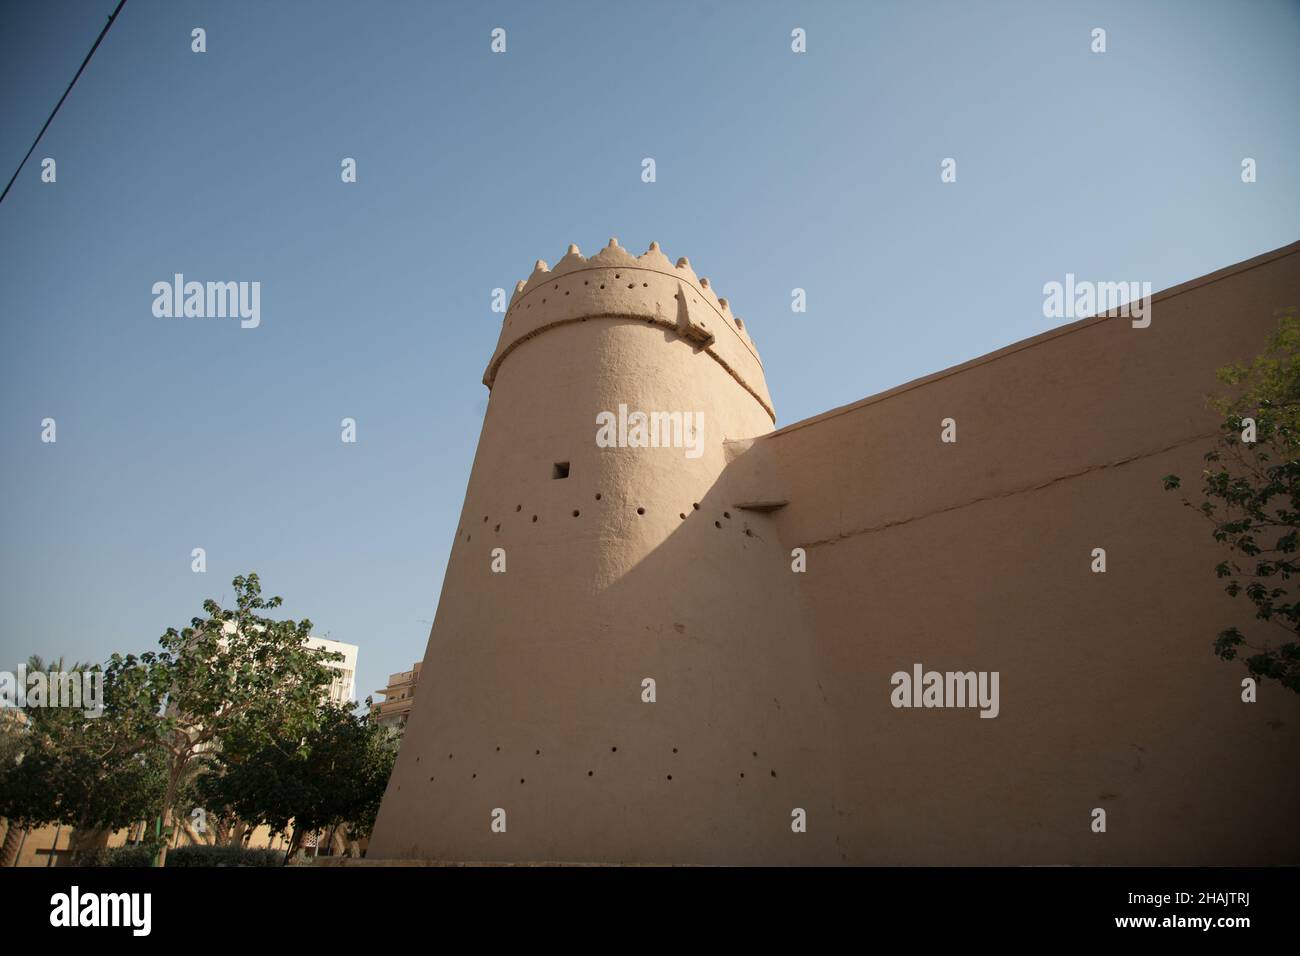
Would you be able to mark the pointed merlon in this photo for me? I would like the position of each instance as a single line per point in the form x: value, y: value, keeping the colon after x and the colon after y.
x: 653, y: 258
x: 723, y: 302
x: 683, y: 262
x: 613, y: 243
x: 573, y: 250
x: 704, y: 283
x: 541, y: 266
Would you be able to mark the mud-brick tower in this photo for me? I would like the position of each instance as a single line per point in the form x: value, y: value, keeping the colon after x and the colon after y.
x: 622, y: 565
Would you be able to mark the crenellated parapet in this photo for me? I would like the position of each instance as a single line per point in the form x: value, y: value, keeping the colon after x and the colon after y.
x: 614, y: 284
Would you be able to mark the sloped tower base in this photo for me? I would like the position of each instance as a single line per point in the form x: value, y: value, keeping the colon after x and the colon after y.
x: 628, y: 575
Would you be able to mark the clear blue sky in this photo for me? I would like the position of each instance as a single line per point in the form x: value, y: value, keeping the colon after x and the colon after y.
x: 775, y: 170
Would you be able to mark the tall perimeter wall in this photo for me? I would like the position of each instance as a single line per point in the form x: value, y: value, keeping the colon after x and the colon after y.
x: 977, y: 555
x: 532, y: 738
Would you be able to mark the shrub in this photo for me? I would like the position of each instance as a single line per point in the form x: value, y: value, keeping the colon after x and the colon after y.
x: 130, y: 855
x: 139, y: 855
x: 223, y: 856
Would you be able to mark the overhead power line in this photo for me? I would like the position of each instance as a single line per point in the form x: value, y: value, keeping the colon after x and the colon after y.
x: 102, y: 33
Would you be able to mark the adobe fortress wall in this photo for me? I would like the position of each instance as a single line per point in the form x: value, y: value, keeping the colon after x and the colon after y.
x: 977, y: 555
x: 579, y: 571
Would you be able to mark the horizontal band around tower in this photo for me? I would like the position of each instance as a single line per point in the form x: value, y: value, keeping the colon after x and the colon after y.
x: 631, y: 291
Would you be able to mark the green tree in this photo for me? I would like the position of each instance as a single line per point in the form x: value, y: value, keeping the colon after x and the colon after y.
x: 332, y: 778
x: 1250, y: 494
x: 236, y: 674
x: 12, y: 734
x: 63, y: 765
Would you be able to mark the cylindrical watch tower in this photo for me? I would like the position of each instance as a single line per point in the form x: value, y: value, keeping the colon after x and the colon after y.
x: 619, y: 668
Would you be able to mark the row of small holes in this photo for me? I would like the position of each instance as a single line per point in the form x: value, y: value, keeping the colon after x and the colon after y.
x: 576, y: 513
x: 630, y: 285
x: 538, y: 753
x: 640, y: 511
x: 590, y: 773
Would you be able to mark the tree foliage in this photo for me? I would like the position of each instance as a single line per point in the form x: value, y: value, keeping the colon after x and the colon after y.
x: 333, y: 777
x: 236, y: 675
x: 62, y: 766
x: 1250, y: 494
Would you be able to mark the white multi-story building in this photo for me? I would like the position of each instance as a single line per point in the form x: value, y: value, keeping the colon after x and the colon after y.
x: 343, y: 686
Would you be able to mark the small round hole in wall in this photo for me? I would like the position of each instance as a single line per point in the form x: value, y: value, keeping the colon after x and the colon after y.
x: 598, y: 496
x: 640, y: 511
x: 534, y: 519
x: 717, y: 524
x: 576, y: 512
x: 727, y: 515
x: 497, y: 528
x: 519, y: 507
x: 682, y: 516
x: 696, y: 506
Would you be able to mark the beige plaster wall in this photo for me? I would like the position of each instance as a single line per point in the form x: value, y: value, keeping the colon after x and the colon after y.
x: 774, y: 687
x: 976, y: 556
x: 531, y: 693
